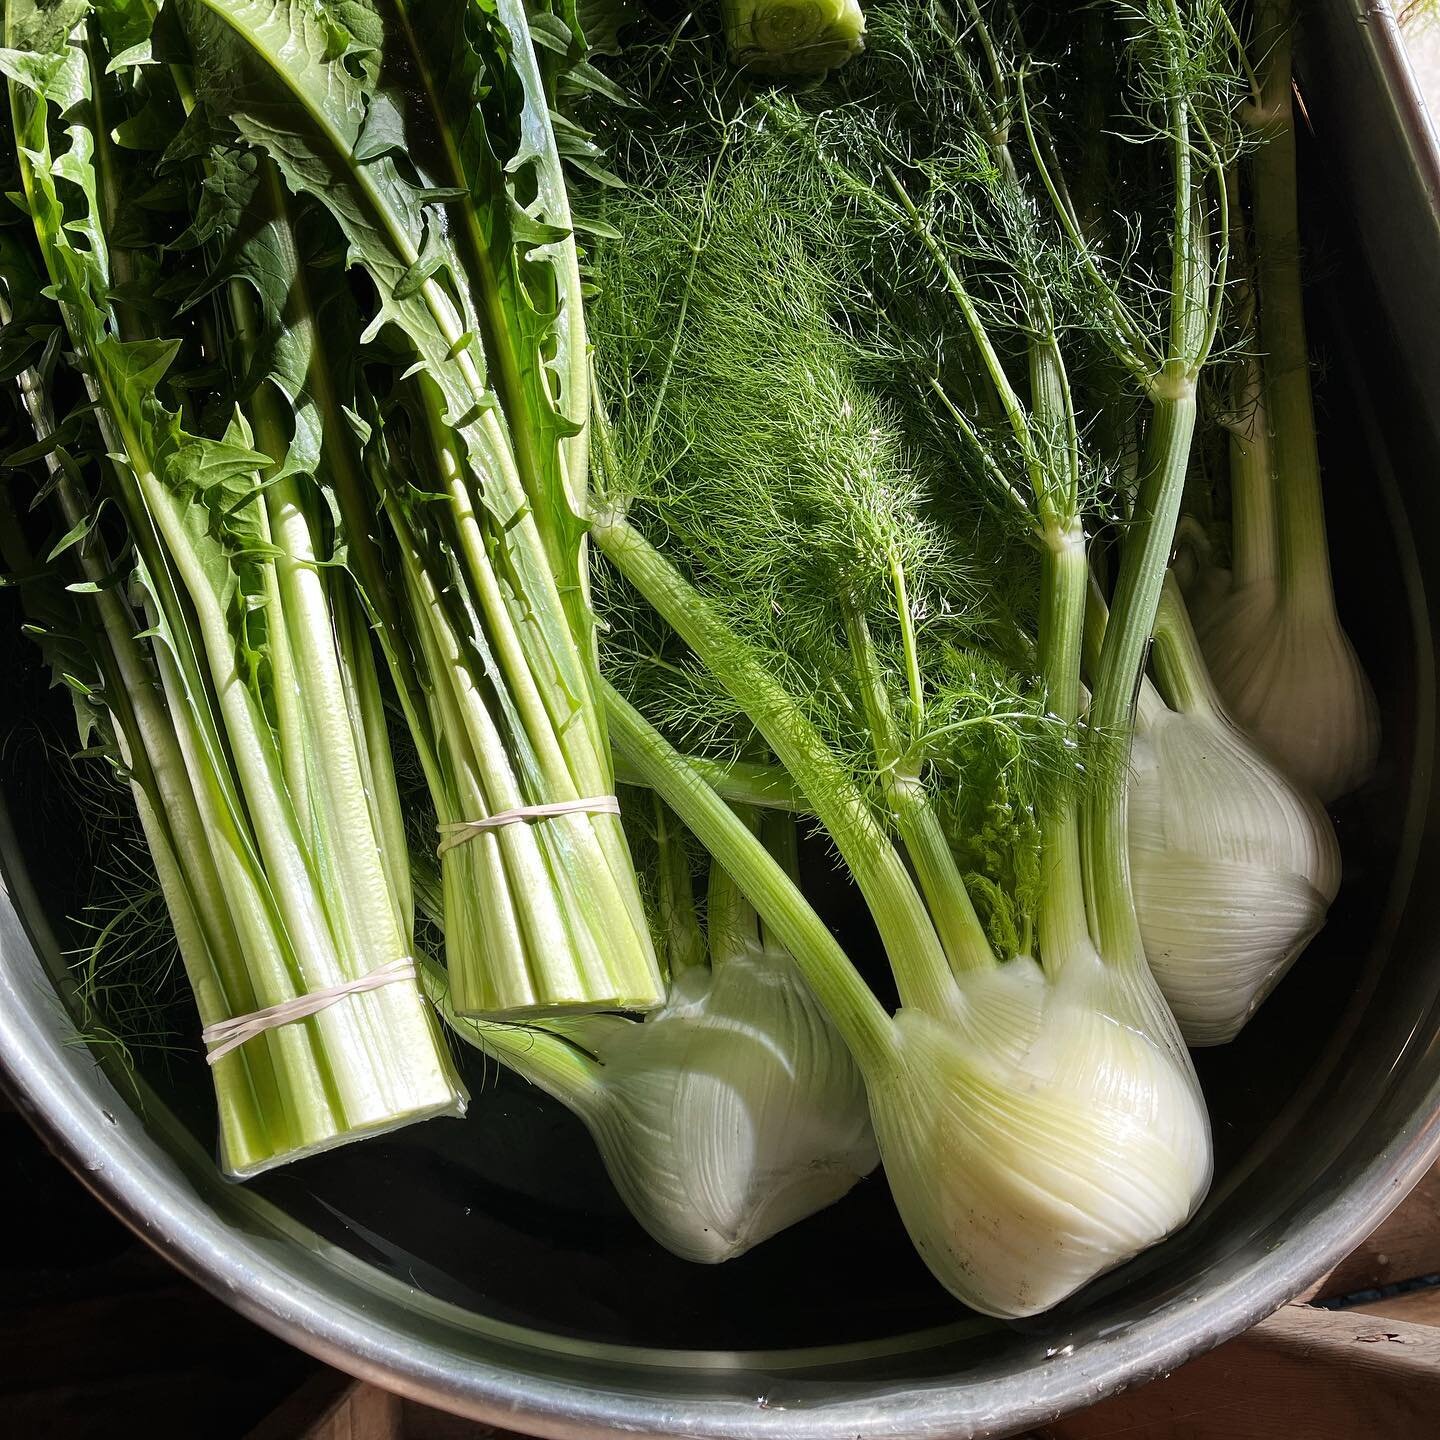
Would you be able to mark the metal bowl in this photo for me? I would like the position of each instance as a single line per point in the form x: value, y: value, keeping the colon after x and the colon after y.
x: 487, y: 1268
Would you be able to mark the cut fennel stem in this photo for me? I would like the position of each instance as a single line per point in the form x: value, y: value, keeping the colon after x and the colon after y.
x: 1271, y: 635
x: 793, y: 37
x: 730, y: 1113
x: 1234, y: 866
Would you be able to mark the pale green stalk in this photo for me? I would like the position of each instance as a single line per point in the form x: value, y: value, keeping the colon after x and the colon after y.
x: 509, y: 459
x: 1047, y: 434
x: 856, y: 1013
x: 374, y: 1060
x: 684, y: 945
x: 1302, y: 552
x: 958, y: 926
x: 1254, y: 556
x: 921, y: 967
x: 742, y: 782
x: 1178, y: 660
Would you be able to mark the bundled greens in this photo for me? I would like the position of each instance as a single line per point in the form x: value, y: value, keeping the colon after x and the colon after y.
x: 269, y: 808
x: 486, y: 317
x: 493, y: 648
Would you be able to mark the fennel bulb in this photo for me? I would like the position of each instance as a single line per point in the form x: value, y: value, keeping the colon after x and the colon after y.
x: 1234, y: 867
x: 1037, y: 1126
x: 1035, y: 1137
x: 1289, y: 674
x: 731, y: 1112
x: 1273, y: 640
x: 793, y: 37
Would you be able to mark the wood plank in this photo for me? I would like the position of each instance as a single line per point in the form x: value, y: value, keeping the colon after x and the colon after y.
x: 1324, y: 1374
x: 1419, y: 1307
x: 298, y: 1415
x: 332, y: 1406
x: 423, y: 1423
x: 1402, y: 1247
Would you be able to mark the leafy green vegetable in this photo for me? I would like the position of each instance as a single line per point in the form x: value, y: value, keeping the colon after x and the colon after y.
x: 837, y: 277
x: 267, y: 807
x: 452, y: 205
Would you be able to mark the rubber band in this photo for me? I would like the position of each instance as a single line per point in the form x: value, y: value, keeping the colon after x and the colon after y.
x: 226, y: 1035
x: 459, y: 831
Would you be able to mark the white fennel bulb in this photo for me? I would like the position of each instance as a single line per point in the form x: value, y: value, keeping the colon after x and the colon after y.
x: 1037, y: 1137
x: 1272, y: 637
x: 1289, y: 674
x: 1234, y: 869
x: 1233, y: 865
x: 732, y: 1113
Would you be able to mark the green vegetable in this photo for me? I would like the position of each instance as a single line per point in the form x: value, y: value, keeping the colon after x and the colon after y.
x: 1270, y: 631
x: 793, y: 37
x: 268, y: 807
x: 761, y: 304
x: 731, y: 1112
x: 453, y: 208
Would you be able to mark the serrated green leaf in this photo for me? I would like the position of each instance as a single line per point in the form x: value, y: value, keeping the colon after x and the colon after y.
x: 139, y: 365
x: 433, y: 254
x: 593, y: 225
x: 468, y: 339
x: 551, y: 32
x: 585, y: 78
x: 37, y: 450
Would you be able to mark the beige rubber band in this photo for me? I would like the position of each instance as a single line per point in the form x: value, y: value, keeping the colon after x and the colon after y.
x: 459, y: 831
x: 226, y: 1035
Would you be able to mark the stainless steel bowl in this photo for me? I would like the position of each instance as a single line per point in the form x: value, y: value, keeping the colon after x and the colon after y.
x: 486, y: 1269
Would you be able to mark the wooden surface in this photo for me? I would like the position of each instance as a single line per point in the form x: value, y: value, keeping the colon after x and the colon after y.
x: 1406, y: 1245
x: 1419, y: 1307
x: 332, y: 1407
x: 1367, y: 1371
x: 1320, y: 1374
